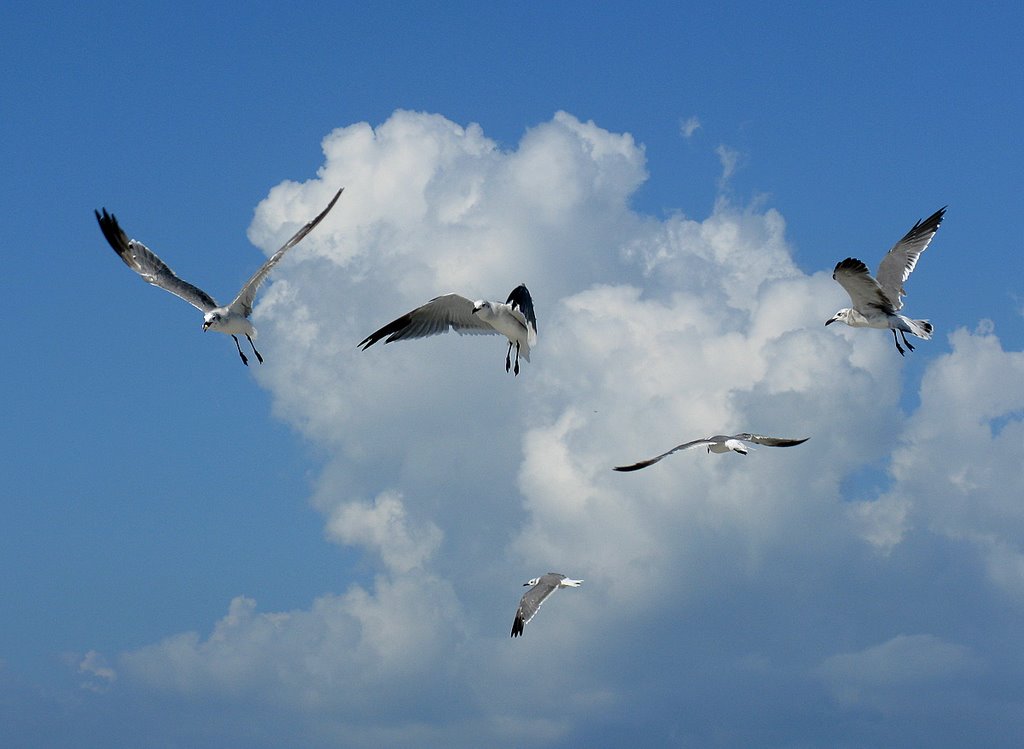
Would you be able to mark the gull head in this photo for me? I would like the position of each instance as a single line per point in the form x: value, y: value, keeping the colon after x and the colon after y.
x: 211, y: 320
x: 534, y: 581
x: 484, y: 309
x: 842, y: 315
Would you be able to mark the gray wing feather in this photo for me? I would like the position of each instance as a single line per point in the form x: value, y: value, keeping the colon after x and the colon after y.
x: 760, y: 439
x: 865, y: 292
x: 439, y: 315
x: 145, y: 262
x: 244, y: 301
x: 655, y: 459
x: 899, y: 262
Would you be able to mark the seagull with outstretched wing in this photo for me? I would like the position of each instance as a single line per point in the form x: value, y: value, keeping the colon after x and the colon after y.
x: 878, y: 299
x: 720, y: 443
x: 232, y: 319
x: 515, y: 319
x: 532, y: 599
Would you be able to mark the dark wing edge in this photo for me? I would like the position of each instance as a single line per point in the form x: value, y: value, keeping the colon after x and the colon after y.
x: 149, y: 266
x: 520, y: 299
x: 851, y: 265
x: 641, y: 464
x: 923, y: 227
x: 854, y: 269
x: 518, y: 624
x: 393, y: 329
x: 655, y: 459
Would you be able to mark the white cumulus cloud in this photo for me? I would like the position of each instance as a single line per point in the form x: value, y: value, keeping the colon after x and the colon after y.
x: 652, y: 331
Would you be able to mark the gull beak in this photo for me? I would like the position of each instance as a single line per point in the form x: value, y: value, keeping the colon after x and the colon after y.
x: 206, y: 325
x: 829, y: 321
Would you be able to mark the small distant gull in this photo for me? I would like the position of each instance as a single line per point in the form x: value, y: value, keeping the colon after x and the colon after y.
x: 720, y: 443
x: 543, y: 587
x: 231, y: 319
x: 515, y: 319
x: 876, y: 301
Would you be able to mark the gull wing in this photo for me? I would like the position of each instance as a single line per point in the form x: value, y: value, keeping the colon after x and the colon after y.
x: 864, y: 290
x: 899, y: 262
x: 243, y: 302
x: 760, y: 439
x: 145, y: 262
x: 532, y: 600
x: 519, y: 299
x: 449, y: 311
x: 677, y: 448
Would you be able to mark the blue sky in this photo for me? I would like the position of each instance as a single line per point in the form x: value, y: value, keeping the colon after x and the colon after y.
x: 327, y: 550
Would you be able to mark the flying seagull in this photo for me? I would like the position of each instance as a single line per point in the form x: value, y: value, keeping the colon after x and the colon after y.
x: 720, y: 443
x: 876, y: 301
x: 515, y: 319
x: 532, y: 599
x: 231, y: 319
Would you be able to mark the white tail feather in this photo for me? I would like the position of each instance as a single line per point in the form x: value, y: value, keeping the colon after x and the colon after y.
x: 920, y: 328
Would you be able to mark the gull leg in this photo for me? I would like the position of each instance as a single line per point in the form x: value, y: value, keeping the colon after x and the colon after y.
x: 244, y: 360
x: 254, y: 348
x: 508, y: 358
x: 905, y: 341
x: 516, y: 370
x: 897, y: 341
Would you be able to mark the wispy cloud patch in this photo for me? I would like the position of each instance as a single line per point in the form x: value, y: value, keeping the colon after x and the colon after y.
x: 730, y: 159
x: 897, y: 669
x: 689, y: 126
x: 100, y: 674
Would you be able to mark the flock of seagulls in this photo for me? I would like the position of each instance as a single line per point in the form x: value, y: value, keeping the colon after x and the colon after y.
x: 877, y: 301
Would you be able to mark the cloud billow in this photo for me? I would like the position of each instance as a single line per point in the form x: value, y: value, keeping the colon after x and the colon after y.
x: 653, y: 331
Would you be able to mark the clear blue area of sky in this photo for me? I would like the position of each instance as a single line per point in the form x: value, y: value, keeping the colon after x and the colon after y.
x: 852, y: 119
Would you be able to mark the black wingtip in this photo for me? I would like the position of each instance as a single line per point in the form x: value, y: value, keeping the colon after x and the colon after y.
x: 113, y: 233
x: 392, y: 329
x: 634, y: 467
x: 851, y: 264
x: 520, y: 299
x: 105, y: 219
x: 926, y: 225
x: 517, y: 627
x: 793, y: 443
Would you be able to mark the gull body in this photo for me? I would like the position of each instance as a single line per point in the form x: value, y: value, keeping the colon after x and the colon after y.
x: 514, y: 318
x: 231, y: 319
x: 878, y: 299
x: 720, y: 443
x: 541, y: 588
